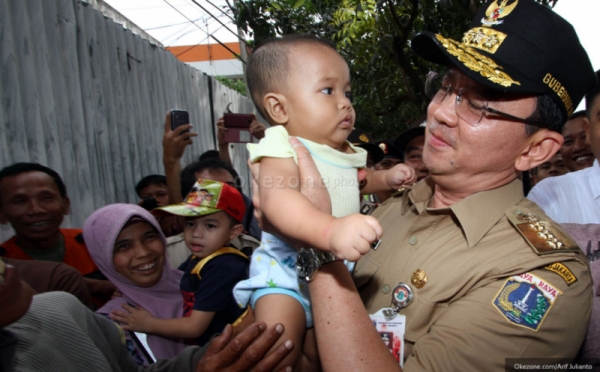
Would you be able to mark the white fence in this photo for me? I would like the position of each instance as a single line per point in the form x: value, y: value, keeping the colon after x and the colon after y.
x: 86, y: 97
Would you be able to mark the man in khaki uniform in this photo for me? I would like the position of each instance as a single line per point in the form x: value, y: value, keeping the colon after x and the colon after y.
x: 479, y: 271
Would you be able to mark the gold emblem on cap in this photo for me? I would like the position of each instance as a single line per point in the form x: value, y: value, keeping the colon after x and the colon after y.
x: 496, y: 11
x: 419, y: 278
x: 363, y: 137
x: 484, y: 38
x: 477, y: 62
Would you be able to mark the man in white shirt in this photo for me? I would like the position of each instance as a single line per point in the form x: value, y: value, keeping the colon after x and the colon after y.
x: 575, y: 197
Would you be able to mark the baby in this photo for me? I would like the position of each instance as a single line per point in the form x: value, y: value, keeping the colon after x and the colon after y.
x: 301, y: 85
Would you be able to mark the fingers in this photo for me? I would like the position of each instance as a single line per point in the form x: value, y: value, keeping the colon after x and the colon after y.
x: 119, y: 317
x: 218, y: 343
x: 168, y: 122
x: 372, y: 221
x: 253, y: 356
x: 306, y: 164
x: 275, y: 357
x: 362, y: 174
x: 237, y: 346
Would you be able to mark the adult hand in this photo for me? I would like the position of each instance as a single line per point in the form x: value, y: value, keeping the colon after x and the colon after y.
x: 174, y: 142
x: 311, y: 185
x: 257, y: 129
x: 245, y: 352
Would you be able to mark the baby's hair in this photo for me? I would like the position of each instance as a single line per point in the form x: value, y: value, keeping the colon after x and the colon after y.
x: 268, y: 67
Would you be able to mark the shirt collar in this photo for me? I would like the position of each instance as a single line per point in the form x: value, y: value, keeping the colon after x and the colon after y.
x: 477, y: 213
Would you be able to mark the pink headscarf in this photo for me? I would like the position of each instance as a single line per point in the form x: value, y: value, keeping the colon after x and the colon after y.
x: 163, y: 300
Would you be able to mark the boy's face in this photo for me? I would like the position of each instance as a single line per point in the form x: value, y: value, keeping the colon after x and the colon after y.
x: 207, y: 234
x: 318, y: 96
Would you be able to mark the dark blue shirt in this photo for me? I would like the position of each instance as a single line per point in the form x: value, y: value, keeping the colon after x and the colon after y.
x: 214, y: 291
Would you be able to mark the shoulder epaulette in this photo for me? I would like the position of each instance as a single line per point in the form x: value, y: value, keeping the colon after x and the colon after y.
x: 541, y: 236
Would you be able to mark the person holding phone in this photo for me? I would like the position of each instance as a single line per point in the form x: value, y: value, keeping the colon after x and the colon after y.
x: 257, y: 130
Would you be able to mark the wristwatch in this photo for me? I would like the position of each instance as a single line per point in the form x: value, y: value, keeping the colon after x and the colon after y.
x: 310, y: 260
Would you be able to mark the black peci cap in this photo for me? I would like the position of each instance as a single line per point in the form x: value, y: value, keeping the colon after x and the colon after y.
x: 415, y: 130
x: 517, y: 46
x: 360, y: 138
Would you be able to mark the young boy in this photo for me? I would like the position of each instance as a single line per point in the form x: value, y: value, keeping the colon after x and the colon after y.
x: 301, y: 85
x: 213, y: 213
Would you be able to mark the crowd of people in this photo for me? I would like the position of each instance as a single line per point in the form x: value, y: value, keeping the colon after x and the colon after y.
x: 421, y: 252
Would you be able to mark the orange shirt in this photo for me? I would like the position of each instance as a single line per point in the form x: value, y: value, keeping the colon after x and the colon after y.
x: 76, y: 253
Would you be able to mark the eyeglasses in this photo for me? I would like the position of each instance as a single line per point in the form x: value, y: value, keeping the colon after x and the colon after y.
x: 469, y: 106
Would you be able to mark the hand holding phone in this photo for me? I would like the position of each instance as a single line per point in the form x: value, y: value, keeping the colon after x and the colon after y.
x: 179, y: 118
x: 238, y: 127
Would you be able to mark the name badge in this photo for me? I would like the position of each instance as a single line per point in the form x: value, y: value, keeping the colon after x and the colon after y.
x: 391, y: 330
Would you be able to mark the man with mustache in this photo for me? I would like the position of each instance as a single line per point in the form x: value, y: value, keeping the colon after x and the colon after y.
x: 479, y: 273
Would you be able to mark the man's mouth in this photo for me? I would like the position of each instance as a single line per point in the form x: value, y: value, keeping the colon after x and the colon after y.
x: 38, y: 224
x: 582, y: 158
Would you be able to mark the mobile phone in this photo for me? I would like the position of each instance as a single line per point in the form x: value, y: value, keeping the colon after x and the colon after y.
x: 241, y: 121
x: 149, y: 203
x: 179, y: 118
x: 238, y: 128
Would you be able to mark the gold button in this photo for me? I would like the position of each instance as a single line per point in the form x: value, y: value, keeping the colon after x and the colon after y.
x: 386, y: 289
x: 413, y: 240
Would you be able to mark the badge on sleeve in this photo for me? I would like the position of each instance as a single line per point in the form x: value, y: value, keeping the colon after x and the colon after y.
x: 525, y: 300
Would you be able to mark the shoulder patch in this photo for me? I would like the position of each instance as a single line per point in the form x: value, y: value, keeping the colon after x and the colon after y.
x: 525, y: 300
x: 541, y: 236
x: 563, y: 271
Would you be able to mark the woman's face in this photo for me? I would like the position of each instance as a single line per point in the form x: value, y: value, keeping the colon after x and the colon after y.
x: 139, y: 254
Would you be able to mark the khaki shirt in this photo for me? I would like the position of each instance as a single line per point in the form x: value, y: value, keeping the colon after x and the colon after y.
x: 465, y: 316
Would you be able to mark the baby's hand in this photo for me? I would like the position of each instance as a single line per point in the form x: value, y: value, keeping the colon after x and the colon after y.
x: 135, y: 319
x: 400, y: 176
x: 351, y: 236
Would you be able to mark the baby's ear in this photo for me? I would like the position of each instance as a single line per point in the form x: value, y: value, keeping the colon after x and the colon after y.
x: 275, y: 108
x: 235, y: 231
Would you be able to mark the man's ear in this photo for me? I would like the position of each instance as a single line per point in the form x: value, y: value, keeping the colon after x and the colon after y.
x: 541, y: 146
x: 275, y: 107
x: 66, y: 206
x: 235, y: 231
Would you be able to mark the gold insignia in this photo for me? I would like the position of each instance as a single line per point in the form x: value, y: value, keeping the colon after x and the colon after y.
x: 419, y: 278
x: 496, y: 11
x: 484, y: 38
x: 563, y: 271
x: 363, y: 137
x: 541, y: 236
x: 477, y: 62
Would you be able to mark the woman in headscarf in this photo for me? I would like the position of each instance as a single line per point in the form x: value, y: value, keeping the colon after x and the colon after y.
x: 127, y: 244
